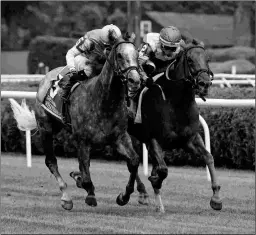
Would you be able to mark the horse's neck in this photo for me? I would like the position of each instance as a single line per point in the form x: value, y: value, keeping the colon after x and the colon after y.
x: 109, y: 88
x: 177, y: 92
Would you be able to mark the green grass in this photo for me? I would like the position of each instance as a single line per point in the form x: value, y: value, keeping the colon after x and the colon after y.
x: 30, y: 201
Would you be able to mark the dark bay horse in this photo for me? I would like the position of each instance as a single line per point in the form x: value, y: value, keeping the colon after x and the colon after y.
x: 170, y: 116
x: 98, y: 110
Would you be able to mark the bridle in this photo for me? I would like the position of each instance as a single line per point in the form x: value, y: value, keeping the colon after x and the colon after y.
x: 188, y: 75
x: 122, y: 73
x: 193, y: 77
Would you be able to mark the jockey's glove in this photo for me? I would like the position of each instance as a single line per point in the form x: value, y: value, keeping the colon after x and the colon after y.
x: 72, y: 70
x: 149, y: 82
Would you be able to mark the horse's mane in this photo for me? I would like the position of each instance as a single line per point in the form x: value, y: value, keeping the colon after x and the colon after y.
x: 189, y: 41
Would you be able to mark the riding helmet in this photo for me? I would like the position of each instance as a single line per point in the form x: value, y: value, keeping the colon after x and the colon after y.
x: 105, y: 33
x: 170, y: 36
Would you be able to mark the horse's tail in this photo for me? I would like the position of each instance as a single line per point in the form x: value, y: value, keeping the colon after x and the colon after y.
x: 25, y: 118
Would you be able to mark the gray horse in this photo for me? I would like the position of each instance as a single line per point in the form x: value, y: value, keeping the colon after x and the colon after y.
x: 98, y: 113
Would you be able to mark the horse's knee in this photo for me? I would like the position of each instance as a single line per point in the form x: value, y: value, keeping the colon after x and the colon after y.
x: 162, y: 172
x: 133, y: 165
x: 51, y: 164
x: 136, y: 162
x: 51, y: 161
x: 208, y: 159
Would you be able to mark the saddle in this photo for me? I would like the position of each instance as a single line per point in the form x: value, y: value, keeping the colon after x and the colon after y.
x: 51, y: 101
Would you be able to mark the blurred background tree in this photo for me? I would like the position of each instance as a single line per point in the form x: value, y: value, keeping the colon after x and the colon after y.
x: 118, y: 18
x: 24, y: 20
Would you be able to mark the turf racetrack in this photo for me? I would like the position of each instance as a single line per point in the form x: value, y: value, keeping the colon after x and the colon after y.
x: 30, y: 201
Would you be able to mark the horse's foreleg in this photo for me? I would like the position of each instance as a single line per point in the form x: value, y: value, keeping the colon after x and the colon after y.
x: 84, y: 167
x: 196, y: 146
x: 45, y: 128
x: 159, y: 172
x: 125, y: 148
x: 76, y: 175
x: 143, y: 195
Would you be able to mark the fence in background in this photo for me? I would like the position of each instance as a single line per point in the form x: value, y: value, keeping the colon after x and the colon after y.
x: 221, y: 79
x: 207, y: 103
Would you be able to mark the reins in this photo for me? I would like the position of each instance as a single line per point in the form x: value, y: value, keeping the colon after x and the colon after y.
x: 123, y: 74
x: 188, y: 76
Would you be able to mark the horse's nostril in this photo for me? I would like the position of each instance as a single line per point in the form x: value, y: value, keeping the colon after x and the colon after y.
x: 201, y: 84
x: 130, y: 80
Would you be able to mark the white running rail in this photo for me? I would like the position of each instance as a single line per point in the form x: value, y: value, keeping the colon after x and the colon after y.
x: 200, y: 102
x: 219, y: 78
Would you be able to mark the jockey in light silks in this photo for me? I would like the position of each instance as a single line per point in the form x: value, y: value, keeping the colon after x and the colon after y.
x: 156, y: 52
x: 84, y: 58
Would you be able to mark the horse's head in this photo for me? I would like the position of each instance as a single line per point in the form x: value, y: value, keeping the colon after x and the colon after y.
x: 125, y: 62
x: 195, y: 67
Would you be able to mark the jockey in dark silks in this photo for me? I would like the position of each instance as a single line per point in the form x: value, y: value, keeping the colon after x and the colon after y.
x: 156, y: 52
x: 83, y: 58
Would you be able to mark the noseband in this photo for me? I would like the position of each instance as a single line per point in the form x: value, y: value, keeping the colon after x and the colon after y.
x: 193, y: 77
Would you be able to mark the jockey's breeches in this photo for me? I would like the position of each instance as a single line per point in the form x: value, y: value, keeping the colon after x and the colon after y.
x: 83, y: 63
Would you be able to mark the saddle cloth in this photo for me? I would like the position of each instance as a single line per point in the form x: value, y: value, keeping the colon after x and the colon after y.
x: 52, y: 102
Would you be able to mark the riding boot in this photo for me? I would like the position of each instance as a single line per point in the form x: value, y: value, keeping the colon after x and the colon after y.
x: 68, y: 83
x: 66, y: 87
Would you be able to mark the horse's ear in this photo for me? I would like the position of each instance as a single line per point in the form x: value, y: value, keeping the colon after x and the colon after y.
x: 132, y: 37
x: 112, y: 37
x: 182, y: 43
x: 197, y: 42
x: 126, y: 36
x: 129, y: 37
x: 201, y: 43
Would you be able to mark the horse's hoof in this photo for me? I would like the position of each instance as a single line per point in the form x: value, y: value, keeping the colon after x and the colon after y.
x: 160, y: 209
x: 143, y: 199
x: 91, y: 201
x: 216, y: 204
x: 67, y: 205
x: 120, y: 201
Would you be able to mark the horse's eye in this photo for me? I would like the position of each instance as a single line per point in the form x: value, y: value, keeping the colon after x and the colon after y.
x: 119, y: 56
x: 190, y: 61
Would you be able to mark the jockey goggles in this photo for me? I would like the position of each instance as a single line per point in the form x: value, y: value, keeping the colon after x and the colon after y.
x: 173, y: 49
x: 170, y: 46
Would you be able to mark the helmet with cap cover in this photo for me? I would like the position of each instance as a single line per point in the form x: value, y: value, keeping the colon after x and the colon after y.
x: 105, y: 33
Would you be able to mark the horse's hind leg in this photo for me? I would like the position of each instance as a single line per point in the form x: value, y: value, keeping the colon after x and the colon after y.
x: 46, y: 131
x: 197, y: 147
x: 159, y: 172
x: 125, y: 148
x: 85, y: 180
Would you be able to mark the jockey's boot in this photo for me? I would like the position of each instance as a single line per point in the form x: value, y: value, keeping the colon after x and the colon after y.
x: 69, y: 82
x: 66, y: 84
